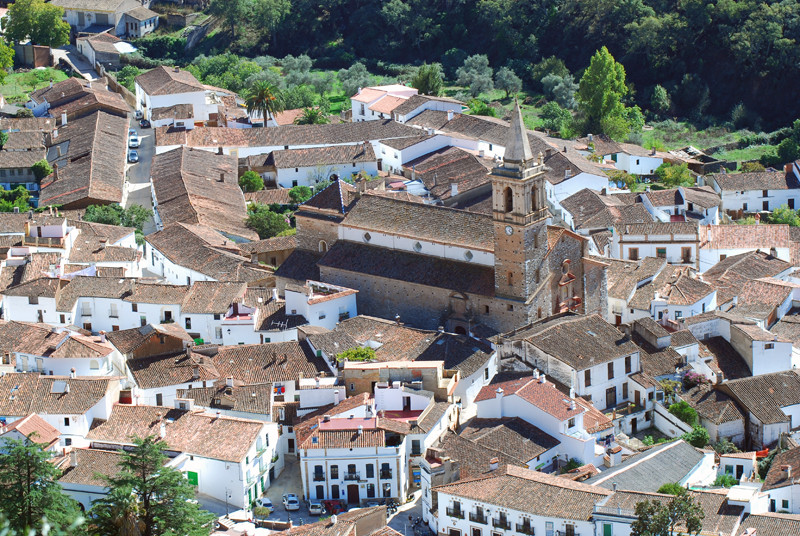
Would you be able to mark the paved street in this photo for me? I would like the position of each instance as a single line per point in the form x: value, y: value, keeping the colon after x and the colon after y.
x: 138, y: 175
x: 79, y: 62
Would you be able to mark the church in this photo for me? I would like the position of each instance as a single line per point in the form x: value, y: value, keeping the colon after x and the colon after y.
x: 437, y: 267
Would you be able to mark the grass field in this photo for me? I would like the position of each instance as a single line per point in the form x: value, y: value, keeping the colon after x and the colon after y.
x: 669, y: 135
x: 18, y: 85
x: 753, y: 152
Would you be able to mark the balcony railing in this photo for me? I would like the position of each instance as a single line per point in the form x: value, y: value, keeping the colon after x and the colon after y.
x: 319, y: 477
x: 352, y: 476
x: 43, y: 241
x: 385, y: 475
x: 500, y: 523
x: 525, y: 528
x: 455, y: 512
x: 565, y: 533
x: 478, y: 518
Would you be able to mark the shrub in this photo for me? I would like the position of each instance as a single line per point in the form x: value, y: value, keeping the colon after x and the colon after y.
x: 671, y: 488
x: 726, y: 481
x: 250, y: 181
x: 725, y: 446
x: 41, y: 169
x: 478, y: 107
x: 648, y: 441
x: 684, y: 412
x: 692, y: 378
x: 752, y: 166
x: 698, y: 437
x: 572, y: 464
x: 360, y: 353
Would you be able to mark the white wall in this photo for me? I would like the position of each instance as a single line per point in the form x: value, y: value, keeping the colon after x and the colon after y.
x: 638, y: 165
x: 309, y: 175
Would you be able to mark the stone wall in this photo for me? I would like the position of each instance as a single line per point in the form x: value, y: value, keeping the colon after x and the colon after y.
x: 313, y: 228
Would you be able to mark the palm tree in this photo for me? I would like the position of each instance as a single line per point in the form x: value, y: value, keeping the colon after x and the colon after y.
x: 264, y: 99
x: 312, y: 116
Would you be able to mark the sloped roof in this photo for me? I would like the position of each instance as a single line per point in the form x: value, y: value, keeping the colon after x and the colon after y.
x: 168, y: 81
x: 766, y: 394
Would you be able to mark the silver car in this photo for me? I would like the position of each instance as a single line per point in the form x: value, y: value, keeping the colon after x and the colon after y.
x: 291, y: 502
x: 316, y: 509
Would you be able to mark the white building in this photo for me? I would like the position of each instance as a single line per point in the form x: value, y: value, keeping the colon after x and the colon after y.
x: 165, y: 87
x: 757, y: 191
x: 104, y: 14
x: 307, y: 167
x: 717, y: 242
x: 378, y: 102
x: 677, y: 242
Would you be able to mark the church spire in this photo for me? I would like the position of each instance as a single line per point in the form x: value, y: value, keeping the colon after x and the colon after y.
x: 518, y: 148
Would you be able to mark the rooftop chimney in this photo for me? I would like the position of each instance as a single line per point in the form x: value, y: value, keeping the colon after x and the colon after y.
x: 102, y: 336
x: 55, y: 171
x: 177, y: 69
x: 360, y: 429
x: 336, y: 397
x: 499, y: 392
x: 613, y: 486
x: 162, y: 430
x: 326, y: 418
x: 73, y: 458
x: 567, y: 173
x: 229, y: 381
x: 591, y: 138
x: 275, y: 294
x: 195, y: 372
x: 572, y: 392
x: 494, y: 463
x: 16, y: 210
x: 63, y: 118
x: 55, y: 133
x: 72, y: 373
x: 536, y: 373
x: 449, y: 115
x: 788, y: 472
x: 333, y: 519
x: 453, y: 189
x: 542, y: 379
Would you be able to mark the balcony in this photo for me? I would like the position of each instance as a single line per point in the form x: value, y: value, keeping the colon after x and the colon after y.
x: 319, y: 477
x: 352, y: 476
x: 275, y: 458
x: 565, y: 533
x: 455, y: 512
x: 478, y: 517
x: 42, y: 241
x: 525, y: 528
x: 386, y: 475
x: 500, y: 523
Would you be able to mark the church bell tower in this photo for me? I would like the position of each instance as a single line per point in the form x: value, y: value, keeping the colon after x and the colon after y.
x: 519, y: 211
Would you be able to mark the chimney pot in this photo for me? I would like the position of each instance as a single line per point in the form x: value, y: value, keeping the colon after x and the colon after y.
x: 63, y: 118
x: 73, y: 458
x: 613, y: 486
x: 102, y: 336
x: 229, y: 381
x: 542, y: 379
x: 453, y: 189
x: 449, y: 115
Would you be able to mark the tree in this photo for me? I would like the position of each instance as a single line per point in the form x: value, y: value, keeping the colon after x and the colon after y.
x: 684, y: 412
x: 297, y: 70
x: 629, y: 180
x: 19, y: 198
x: 698, y: 437
x: 300, y: 194
x: 786, y: 215
x: 660, y: 518
x: 547, y: 66
x: 671, y: 488
x: 726, y: 481
x: 6, y: 60
x: 507, y: 80
x: 600, y: 94
x: 38, y: 21
x: 749, y: 167
x: 3, y: 138
x: 250, y: 181
x: 41, y: 169
x: 353, y: 78
x: 133, y: 216
x: 673, y: 175
x: 126, y: 76
x: 233, y: 11
x: 478, y: 107
x: 265, y: 222
x: 476, y: 74
x: 725, y: 446
x: 788, y: 151
x: 312, y: 116
x: 359, y: 353
x: 429, y: 79
x: 31, y: 492
x: 270, y: 14
x: 659, y: 101
x: 554, y: 117
x: 263, y: 100
x: 452, y: 60
x: 560, y: 89
x: 323, y: 82
x: 147, y: 498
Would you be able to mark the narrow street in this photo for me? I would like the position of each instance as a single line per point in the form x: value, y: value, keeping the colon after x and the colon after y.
x: 138, y: 175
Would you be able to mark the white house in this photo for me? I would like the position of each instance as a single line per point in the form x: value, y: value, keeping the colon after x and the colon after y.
x: 757, y: 191
x: 307, y: 167
x: 164, y: 87
x: 676, y: 292
x: 717, y: 242
x: 321, y: 304
x: 34, y: 429
x: 378, y: 102
x: 101, y: 14
x: 675, y: 241
x: 227, y: 459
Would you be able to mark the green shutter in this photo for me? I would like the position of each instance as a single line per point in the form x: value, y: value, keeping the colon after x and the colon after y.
x: 607, y: 529
x: 191, y: 476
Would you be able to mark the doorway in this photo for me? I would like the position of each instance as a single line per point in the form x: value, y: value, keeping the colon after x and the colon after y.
x: 406, y: 403
x: 637, y: 398
x: 290, y: 445
x: 611, y: 397
x: 352, y: 494
x: 633, y: 426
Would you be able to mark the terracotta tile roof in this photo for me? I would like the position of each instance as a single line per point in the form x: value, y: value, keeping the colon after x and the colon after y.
x: 322, y: 156
x: 577, y: 341
x: 757, y: 180
x: 176, y: 111
x: 278, y: 243
x: 255, y: 398
x: 733, y: 236
x: 209, y: 297
x: 421, y: 269
x: 656, y: 362
x: 168, y: 81
x: 293, y: 136
x: 678, y: 285
x: 141, y: 13
x: 287, y: 117
x: 34, y: 428
x: 128, y: 340
x: 92, y: 166
x: 713, y: 405
x: 625, y: 276
x: 387, y: 104
x: 439, y: 170
x: 702, y: 196
x: 767, y: 291
x: 83, y: 394
x: 278, y: 196
x: 603, y: 145
x: 772, y: 524
x: 93, y: 465
x: 659, y: 228
x: 300, y: 265
x: 513, y: 436
x: 264, y: 363
x: 777, y: 476
x: 788, y: 328
x: 21, y: 159
x: 171, y: 369
x: 404, y: 143
x: 724, y: 358
x: 44, y: 287
x: 188, y: 188
x: 338, y: 197
x: 347, y: 524
x: 217, y: 438
x: 108, y: 101
x: 530, y: 491
x: 93, y: 287
x: 729, y: 275
x: 368, y: 94
x: 17, y: 392
x: 765, y: 395
x: 415, y: 101
x: 592, y: 210
x: 544, y: 396
x: 204, y: 250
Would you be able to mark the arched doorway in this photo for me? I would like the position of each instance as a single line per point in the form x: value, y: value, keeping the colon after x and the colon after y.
x: 460, y: 330
x: 323, y: 246
x: 508, y: 200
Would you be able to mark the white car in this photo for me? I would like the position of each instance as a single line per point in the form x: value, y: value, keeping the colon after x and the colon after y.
x: 264, y: 502
x: 133, y: 142
x: 316, y: 509
x: 138, y: 114
x: 291, y: 502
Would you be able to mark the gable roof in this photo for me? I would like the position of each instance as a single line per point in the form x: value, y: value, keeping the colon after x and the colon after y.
x: 34, y: 428
x: 730, y: 274
x: 441, y: 169
x: 252, y: 398
x: 168, y: 81
x: 210, y: 436
x: 200, y: 187
x: 92, y: 466
x: 734, y: 236
x: 530, y: 491
x: 777, y: 476
x: 772, y: 524
x: 713, y: 405
x: 542, y: 394
x: 649, y: 470
x: 756, y: 180
x: 128, y: 340
x: 321, y: 156
x: 514, y: 436
x: 209, y: 297
x: 766, y: 394
x: 264, y: 363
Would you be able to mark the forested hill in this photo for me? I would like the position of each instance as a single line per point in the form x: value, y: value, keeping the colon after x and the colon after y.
x: 709, y: 55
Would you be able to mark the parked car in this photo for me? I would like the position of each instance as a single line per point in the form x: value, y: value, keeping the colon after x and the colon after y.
x: 138, y: 114
x: 144, y: 123
x: 290, y: 501
x: 132, y: 132
x: 316, y: 509
x: 265, y: 502
x: 133, y: 142
x: 133, y: 156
